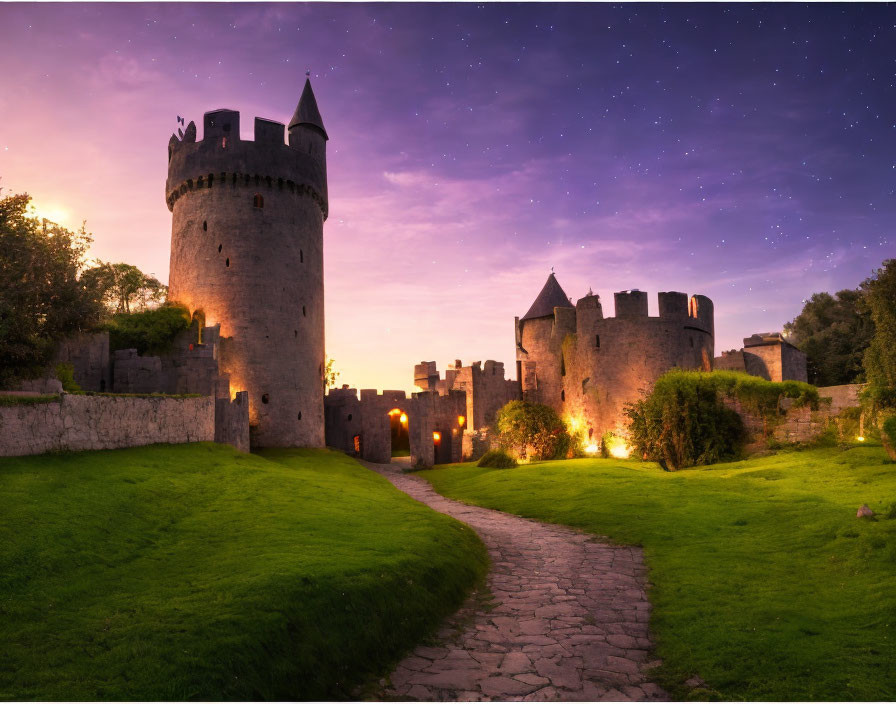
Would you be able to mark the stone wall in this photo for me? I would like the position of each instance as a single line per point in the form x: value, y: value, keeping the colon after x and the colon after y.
x: 88, y: 353
x: 77, y: 422
x: 232, y: 421
x: 799, y: 424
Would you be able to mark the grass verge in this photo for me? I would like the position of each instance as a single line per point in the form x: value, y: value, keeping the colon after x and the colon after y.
x: 176, y: 572
x: 766, y: 584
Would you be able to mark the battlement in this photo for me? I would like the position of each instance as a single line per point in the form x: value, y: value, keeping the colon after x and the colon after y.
x: 694, y: 312
x: 223, y: 158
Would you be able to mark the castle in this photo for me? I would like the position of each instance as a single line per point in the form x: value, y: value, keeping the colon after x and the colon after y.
x: 570, y: 357
x: 247, y: 255
x: 247, y: 261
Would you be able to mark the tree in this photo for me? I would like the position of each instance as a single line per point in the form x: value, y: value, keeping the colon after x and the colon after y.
x: 119, y: 286
x: 330, y: 374
x: 834, y: 332
x: 41, y: 297
x: 532, y: 429
x: 880, y: 297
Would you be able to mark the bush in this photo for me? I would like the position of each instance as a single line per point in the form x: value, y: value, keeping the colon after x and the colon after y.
x: 532, y: 430
x: 888, y: 435
x: 496, y: 459
x: 66, y: 374
x: 149, y: 331
x: 684, y: 422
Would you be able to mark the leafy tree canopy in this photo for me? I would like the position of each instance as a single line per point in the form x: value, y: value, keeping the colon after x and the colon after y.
x: 880, y: 357
x: 122, y: 287
x: 834, y: 332
x: 533, y: 430
x: 41, y: 297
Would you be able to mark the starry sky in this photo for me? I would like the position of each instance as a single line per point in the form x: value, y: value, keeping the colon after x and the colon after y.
x: 745, y: 152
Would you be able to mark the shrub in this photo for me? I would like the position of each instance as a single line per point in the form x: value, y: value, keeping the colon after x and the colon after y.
x: 532, y: 430
x: 149, y: 331
x: 497, y: 459
x: 612, y: 445
x: 66, y: 374
x: 888, y: 435
x: 684, y: 422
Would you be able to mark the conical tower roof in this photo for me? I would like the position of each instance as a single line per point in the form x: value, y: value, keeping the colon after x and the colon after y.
x: 307, y: 112
x: 552, y: 296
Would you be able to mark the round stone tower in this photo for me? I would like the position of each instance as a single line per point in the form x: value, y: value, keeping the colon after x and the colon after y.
x: 247, y: 253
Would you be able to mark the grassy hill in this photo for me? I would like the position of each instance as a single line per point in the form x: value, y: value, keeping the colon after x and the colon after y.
x: 766, y: 584
x: 197, y: 572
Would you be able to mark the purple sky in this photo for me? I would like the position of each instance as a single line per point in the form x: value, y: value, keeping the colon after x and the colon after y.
x: 743, y: 152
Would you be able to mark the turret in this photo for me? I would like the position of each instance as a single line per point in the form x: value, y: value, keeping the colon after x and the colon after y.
x: 306, y: 129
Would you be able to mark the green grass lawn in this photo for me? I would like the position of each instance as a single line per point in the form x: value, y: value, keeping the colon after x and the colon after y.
x: 198, y: 572
x: 765, y: 582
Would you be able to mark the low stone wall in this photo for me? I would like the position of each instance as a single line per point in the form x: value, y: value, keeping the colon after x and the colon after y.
x: 799, y: 424
x: 76, y: 422
x: 232, y: 421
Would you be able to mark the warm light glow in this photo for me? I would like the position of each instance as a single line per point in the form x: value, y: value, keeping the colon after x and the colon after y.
x: 461, y: 420
x: 436, y: 436
x: 394, y: 411
x: 860, y: 439
x: 619, y: 450
x: 591, y: 449
x: 404, y: 419
x: 53, y: 213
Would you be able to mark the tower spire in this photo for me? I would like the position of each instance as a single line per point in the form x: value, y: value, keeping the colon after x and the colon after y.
x: 307, y: 112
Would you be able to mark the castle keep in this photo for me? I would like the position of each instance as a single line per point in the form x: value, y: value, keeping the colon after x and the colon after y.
x: 247, y: 254
x: 587, y: 367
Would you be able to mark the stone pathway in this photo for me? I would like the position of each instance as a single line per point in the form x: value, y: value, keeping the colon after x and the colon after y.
x: 568, y: 623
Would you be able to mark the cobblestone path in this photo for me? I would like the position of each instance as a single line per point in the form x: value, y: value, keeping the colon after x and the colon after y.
x: 568, y: 623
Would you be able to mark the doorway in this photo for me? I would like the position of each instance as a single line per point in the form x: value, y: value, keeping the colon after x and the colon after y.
x: 398, y: 430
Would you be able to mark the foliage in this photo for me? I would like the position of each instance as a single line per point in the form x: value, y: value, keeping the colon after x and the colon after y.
x: 880, y: 357
x: 119, y: 286
x: 834, y: 332
x: 330, y: 374
x: 41, y: 298
x: 11, y: 400
x: 753, y: 578
x: 66, y: 374
x: 888, y: 435
x: 151, y: 331
x: 496, y: 459
x: 195, y: 572
x: 684, y: 422
x: 612, y: 445
x: 531, y: 430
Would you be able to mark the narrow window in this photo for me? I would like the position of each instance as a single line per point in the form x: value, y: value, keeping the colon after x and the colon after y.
x: 219, y: 248
x: 357, y: 441
x: 265, y: 398
x: 300, y: 415
x: 692, y: 343
x: 227, y: 262
x: 562, y: 366
x: 349, y: 416
x: 304, y: 312
x: 562, y: 395
x: 301, y: 256
x: 258, y: 201
x: 204, y: 226
x: 597, y: 341
x: 295, y: 333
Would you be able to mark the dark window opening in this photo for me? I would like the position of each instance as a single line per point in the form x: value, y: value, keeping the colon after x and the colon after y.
x: 349, y: 416
x: 300, y: 415
x: 597, y: 341
x: 562, y: 366
x: 227, y: 262
x: 258, y: 201
x: 301, y: 256
x: 219, y: 248
x: 692, y: 343
x: 265, y: 398
x: 226, y: 127
x: 102, y: 384
x: 562, y: 395
x: 295, y: 333
x: 304, y: 312
x: 204, y: 226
